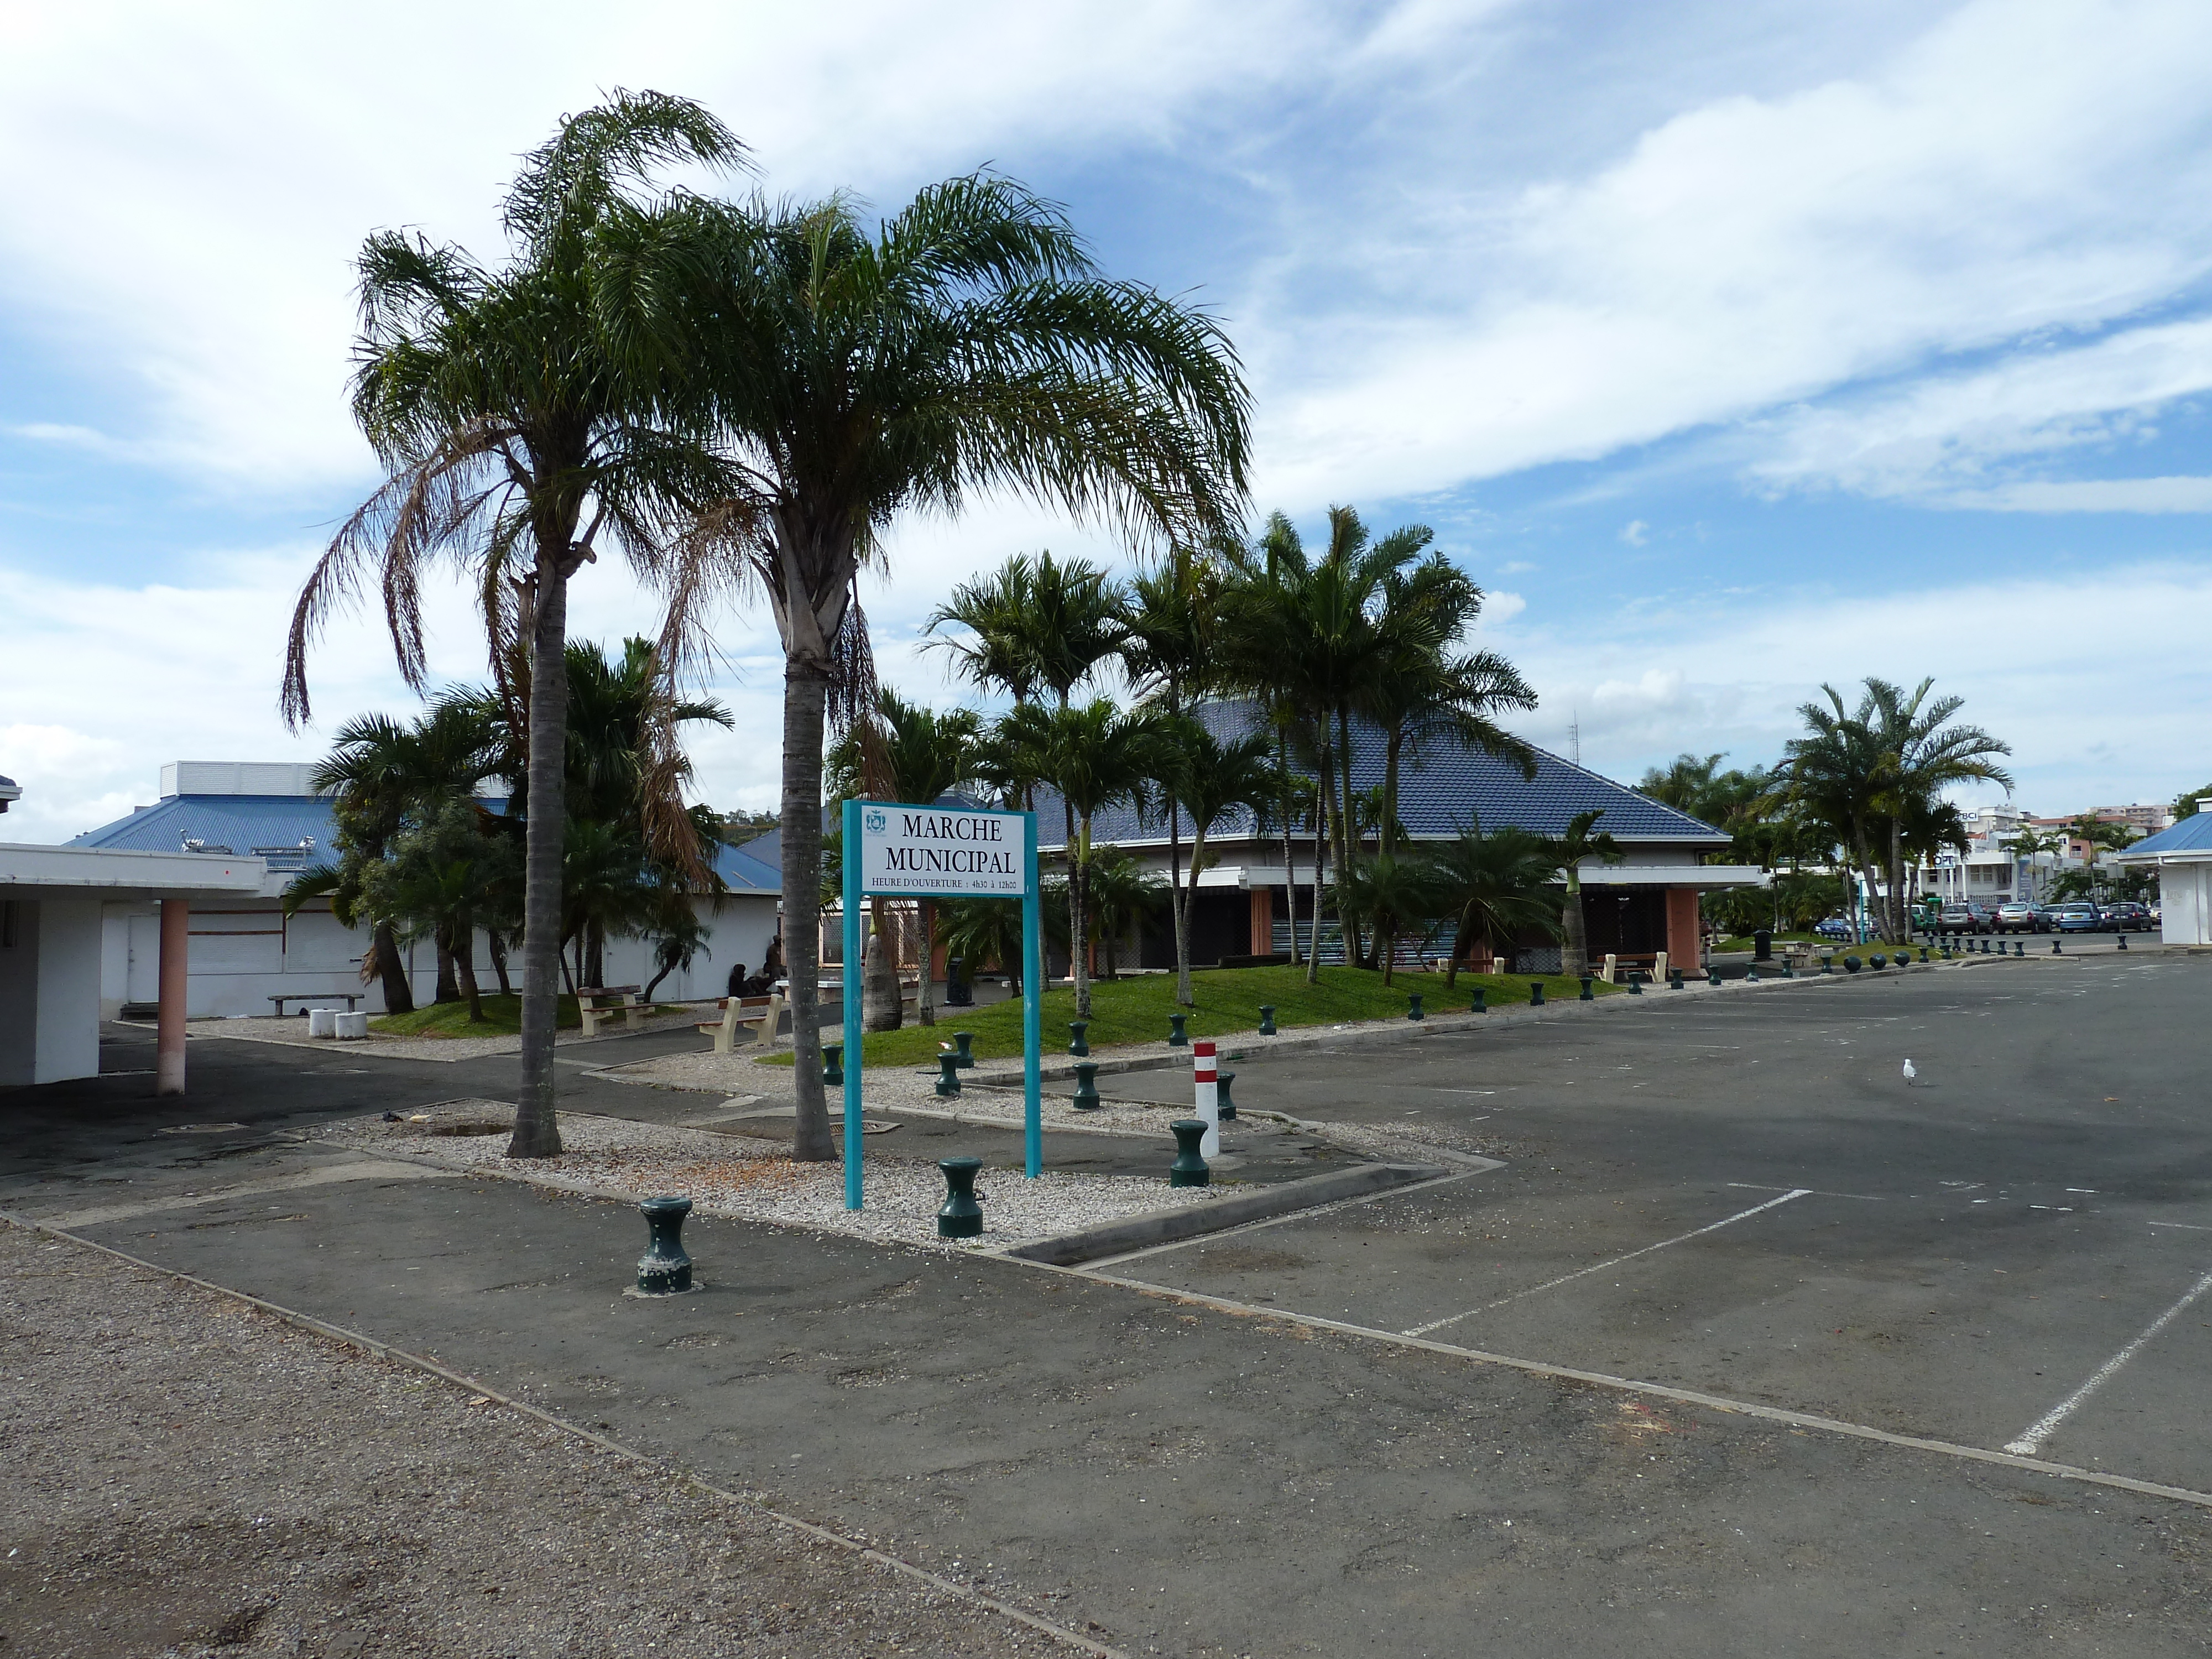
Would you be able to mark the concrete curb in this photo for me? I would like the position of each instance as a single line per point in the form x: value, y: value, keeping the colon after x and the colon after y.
x: 1173, y: 1226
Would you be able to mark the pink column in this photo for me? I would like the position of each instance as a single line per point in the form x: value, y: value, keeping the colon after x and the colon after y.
x: 169, y: 1045
x: 1263, y: 921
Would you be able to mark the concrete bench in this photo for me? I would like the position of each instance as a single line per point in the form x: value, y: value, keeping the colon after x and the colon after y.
x: 283, y: 996
x: 762, y: 1012
x: 601, y: 1002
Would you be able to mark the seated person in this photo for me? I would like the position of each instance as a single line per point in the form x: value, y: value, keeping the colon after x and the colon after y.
x: 738, y: 982
x: 759, y: 985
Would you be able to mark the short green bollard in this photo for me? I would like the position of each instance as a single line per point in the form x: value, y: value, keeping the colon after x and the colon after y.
x: 961, y: 1215
x: 1188, y: 1169
x: 2124, y: 941
x: 1266, y: 1019
x: 1587, y: 995
x: 2055, y: 950
x: 948, y: 1075
x: 1751, y: 975
x: 1828, y: 963
x: 1413, y: 1005
x: 963, y: 1052
x: 833, y: 1065
x: 1176, y: 1036
x: 1850, y: 964
x: 1535, y: 994
x: 1087, y: 1085
x: 1877, y: 961
x: 1635, y: 984
x: 664, y: 1269
x: 1788, y: 972
x: 2019, y: 947
x: 1481, y: 1005
x: 1712, y: 975
x: 1674, y: 979
x: 1226, y: 1108
x: 1080, y: 1043
x: 1924, y: 953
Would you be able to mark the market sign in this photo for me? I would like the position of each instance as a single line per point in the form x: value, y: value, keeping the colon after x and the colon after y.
x: 926, y: 851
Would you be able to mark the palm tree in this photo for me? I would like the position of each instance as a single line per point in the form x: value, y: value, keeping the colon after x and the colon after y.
x: 1095, y: 755
x: 968, y: 345
x: 385, y: 775
x: 1213, y: 779
x: 1497, y: 886
x: 520, y: 414
x: 1567, y: 851
x: 446, y: 875
x: 1923, y: 754
x: 1172, y: 613
x: 1119, y: 894
x: 2026, y: 845
x: 1832, y: 777
x: 1394, y: 893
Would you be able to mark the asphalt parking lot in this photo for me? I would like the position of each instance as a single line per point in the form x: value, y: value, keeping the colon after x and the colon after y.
x: 1744, y: 1196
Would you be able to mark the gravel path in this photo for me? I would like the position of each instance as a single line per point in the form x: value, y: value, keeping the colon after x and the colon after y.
x: 291, y: 1032
x: 183, y: 1475
x: 740, y: 1175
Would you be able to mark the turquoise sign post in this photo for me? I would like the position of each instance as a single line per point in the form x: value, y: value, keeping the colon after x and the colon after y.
x: 894, y: 850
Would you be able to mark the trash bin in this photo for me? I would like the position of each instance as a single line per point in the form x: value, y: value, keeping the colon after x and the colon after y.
x: 1762, y: 945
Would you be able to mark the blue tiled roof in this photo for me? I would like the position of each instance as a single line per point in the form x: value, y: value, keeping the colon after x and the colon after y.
x: 1438, y: 793
x: 2191, y: 834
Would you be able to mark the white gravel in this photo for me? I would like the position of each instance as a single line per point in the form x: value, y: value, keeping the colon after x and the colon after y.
x: 291, y: 1032
x: 754, y: 1179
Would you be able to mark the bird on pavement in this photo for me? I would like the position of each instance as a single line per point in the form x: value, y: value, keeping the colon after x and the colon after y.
x: 1909, y: 1074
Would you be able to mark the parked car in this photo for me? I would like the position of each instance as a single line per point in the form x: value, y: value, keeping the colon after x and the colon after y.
x: 2128, y: 917
x: 2017, y: 917
x: 1835, y: 927
x: 2076, y: 917
x: 1966, y: 916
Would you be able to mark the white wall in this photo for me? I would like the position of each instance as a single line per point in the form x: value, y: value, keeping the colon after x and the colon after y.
x: 50, y: 992
x: 2184, y: 903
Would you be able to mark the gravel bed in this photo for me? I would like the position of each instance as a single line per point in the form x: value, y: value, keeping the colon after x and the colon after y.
x: 247, y: 1488
x: 753, y: 1179
x: 291, y: 1032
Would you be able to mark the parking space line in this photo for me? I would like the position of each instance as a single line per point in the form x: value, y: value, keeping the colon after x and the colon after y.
x: 2186, y: 1226
x: 1565, y: 1279
x: 1294, y: 1215
x: 2040, y: 1431
x: 1769, y: 1186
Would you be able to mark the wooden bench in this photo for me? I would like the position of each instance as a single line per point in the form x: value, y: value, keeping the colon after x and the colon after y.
x: 283, y: 996
x: 763, y: 1012
x: 1652, y: 964
x: 598, y: 1002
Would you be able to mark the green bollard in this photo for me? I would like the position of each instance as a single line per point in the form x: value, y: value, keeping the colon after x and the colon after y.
x: 965, y: 1051
x: 2055, y: 950
x: 1227, y: 1112
x: 1751, y: 975
x: 2124, y: 941
x: 1674, y: 979
x: 1636, y: 985
x: 1924, y: 953
x: 1587, y: 995
x: 1413, y: 1005
x: 1788, y: 972
x: 664, y: 1269
x: 948, y: 1075
x: 833, y: 1065
x: 2019, y: 947
x: 1828, y: 962
x: 1188, y: 1169
x: 1177, y: 1038
x: 1535, y: 994
x: 1712, y: 975
x: 961, y: 1215
x: 1081, y: 1045
x: 1480, y: 1006
x: 1087, y: 1085
x: 1850, y: 964
x: 1266, y: 1019
x: 1877, y: 962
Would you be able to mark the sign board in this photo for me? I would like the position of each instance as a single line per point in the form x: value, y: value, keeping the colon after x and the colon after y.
x: 926, y: 852
x: 922, y: 852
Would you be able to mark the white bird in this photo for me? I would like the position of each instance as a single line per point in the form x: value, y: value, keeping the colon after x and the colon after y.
x: 1909, y: 1074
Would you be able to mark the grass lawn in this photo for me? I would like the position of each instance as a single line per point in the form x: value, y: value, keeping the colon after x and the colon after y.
x: 1745, y: 942
x: 1227, y: 1003
x: 502, y: 1017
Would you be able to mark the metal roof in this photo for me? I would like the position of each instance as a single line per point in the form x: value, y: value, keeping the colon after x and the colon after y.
x: 2191, y: 834
x: 1439, y: 792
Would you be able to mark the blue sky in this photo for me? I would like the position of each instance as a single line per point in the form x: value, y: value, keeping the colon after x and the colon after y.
x: 1732, y: 348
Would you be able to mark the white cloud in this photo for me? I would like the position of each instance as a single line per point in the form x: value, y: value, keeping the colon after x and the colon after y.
x: 1636, y: 532
x: 2184, y: 494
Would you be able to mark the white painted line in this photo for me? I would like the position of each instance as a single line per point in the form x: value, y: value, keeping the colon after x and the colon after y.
x: 1768, y: 1187
x: 1583, y: 1273
x: 2038, y: 1432
x: 2186, y: 1226
x: 366, y: 1171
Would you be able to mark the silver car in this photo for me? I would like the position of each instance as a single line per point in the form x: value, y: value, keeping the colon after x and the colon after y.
x: 2018, y: 917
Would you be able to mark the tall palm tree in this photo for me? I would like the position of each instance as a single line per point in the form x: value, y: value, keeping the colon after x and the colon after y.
x: 1095, y: 755
x: 1119, y: 894
x: 1496, y: 887
x: 1580, y: 839
x: 1924, y: 753
x: 1173, y: 611
x: 1833, y: 777
x: 968, y: 343
x: 1394, y: 893
x: 1212, y: 778
x: 521, y: 414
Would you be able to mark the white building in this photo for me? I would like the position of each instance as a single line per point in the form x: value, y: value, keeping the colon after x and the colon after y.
x: 244, y: 951
x: 2183, y: 858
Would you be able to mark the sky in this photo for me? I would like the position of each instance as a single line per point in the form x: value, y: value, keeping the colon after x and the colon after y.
x: 1733, y: 349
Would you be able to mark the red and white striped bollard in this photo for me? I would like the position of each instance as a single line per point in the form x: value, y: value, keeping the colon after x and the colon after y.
x: 1209, y: 1096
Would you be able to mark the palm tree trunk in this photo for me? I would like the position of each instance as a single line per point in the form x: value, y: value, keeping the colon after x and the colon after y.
x: 449, y: 988
x: 465, y: 965
x: 1290, y: 867
x: 536, y: 1128
x: 595, y: 954
x: 497, y: 946
x: 1577, y: 956
x: 804, y: 688
x: 1347, y: 833
x: 881, y: 1008
x: 1320, y: 831
x: 1387, y: 834
x: 399, y: 995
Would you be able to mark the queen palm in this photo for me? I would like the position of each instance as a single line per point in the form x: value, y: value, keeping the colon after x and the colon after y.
x: 1496, y: 887
x: 967, y: 343
x: 1579, y: 840
x: 524, y: 415
x: 1095, y: 755
x: 1923, y: 754
x: 1393, y: 893
x: 1212, y: 778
